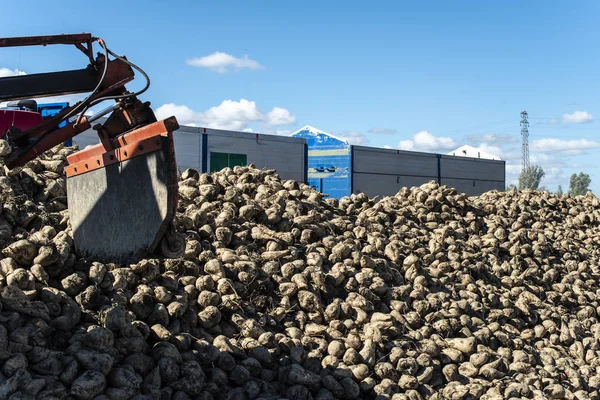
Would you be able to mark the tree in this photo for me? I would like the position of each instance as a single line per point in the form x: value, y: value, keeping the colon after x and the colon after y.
x: 579, y: 184
x: 511, y: 187
x: 531, y: 177
x: 560, y: 190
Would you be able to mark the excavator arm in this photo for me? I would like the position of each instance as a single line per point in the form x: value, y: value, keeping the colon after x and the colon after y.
x: 105, y: 78
x: 121, y: 193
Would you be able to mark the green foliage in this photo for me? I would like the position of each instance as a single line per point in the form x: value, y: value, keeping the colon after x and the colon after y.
x: 531, y: 177
x: 579, y: 184
x: 559, y: 191
x: 511, y: 187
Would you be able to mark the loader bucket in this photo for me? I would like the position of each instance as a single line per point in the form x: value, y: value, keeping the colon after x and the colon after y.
x: 122, y: 201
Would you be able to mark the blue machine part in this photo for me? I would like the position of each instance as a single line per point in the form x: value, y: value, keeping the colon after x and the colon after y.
x: 51, y: 109
x: 329, y: 162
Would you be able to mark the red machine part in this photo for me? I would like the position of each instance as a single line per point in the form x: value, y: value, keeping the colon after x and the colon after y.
x: 22, y: 120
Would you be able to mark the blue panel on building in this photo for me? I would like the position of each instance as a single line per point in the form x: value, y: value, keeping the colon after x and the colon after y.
x: 329, y: 162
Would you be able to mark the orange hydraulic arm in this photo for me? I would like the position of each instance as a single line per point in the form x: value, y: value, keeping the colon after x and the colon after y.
x: 104, y: 78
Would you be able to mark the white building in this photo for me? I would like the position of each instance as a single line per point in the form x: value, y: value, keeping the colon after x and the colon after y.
x: 472, y: 152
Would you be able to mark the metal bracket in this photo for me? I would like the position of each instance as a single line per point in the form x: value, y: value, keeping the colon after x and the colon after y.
x: 133, y: 144
x: 104, y: 138
x: 114, y: 156
x: 77, y: 39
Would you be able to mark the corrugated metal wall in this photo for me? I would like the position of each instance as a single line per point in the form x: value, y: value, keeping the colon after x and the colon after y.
x: 188, y: 148
x: 284, y: 154
x: 336, y: 170
x: 383, y: 172
x: 472, y: 176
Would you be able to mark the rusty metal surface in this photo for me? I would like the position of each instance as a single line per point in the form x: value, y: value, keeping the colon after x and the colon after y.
x: 133, y: 167
x: 136, y: 114
x: 107, y: 79
x: 44, y: 40
x: 104, y: 137
x: 166, y: 125
x: 114, y: 156
x: 118, y: 74
x: 76, y: 39
x: 60, y: 135
x: 159, y: 128
x: 47, y: 84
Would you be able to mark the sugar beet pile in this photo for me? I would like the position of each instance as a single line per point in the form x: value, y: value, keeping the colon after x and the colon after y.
x: 281, y: 294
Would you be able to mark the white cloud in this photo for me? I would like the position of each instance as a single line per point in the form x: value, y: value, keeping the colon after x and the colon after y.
x: 222, y: 62
x: 486, y: 148
x: 230, y: 114
x: 554, y: 170
x: 492, y: 138
x: 575, y: 146
x: 387, y: 146
x: 578, y: 117
x: 555, y: 175
x: 233, y: 114
x: 283, y: 132
x: 385, y: 131
x: 574, y: 152
x: 513, y: 170
x: 184, y: 114
x: 354, y: 137
x: 552, y: 175
x: 280, y: 116
x: 544, y: 159
x: 512, y: 155
x: 425, y: 141
x: 5, y: 72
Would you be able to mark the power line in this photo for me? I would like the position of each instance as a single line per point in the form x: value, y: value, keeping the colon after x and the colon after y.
x: 475, y: 127
x: 569, y: 137
x: 493, y: 132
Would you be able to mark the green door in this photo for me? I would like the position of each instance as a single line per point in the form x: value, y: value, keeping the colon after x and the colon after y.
x: 237, y: 159
x: 218, y: 161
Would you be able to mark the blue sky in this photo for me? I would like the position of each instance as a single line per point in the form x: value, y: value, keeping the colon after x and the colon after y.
x: 426, y: 75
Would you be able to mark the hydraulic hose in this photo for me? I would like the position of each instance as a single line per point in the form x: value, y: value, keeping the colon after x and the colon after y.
x: 98, y: 100
x: 100, y: 82
x: 83, y: 103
